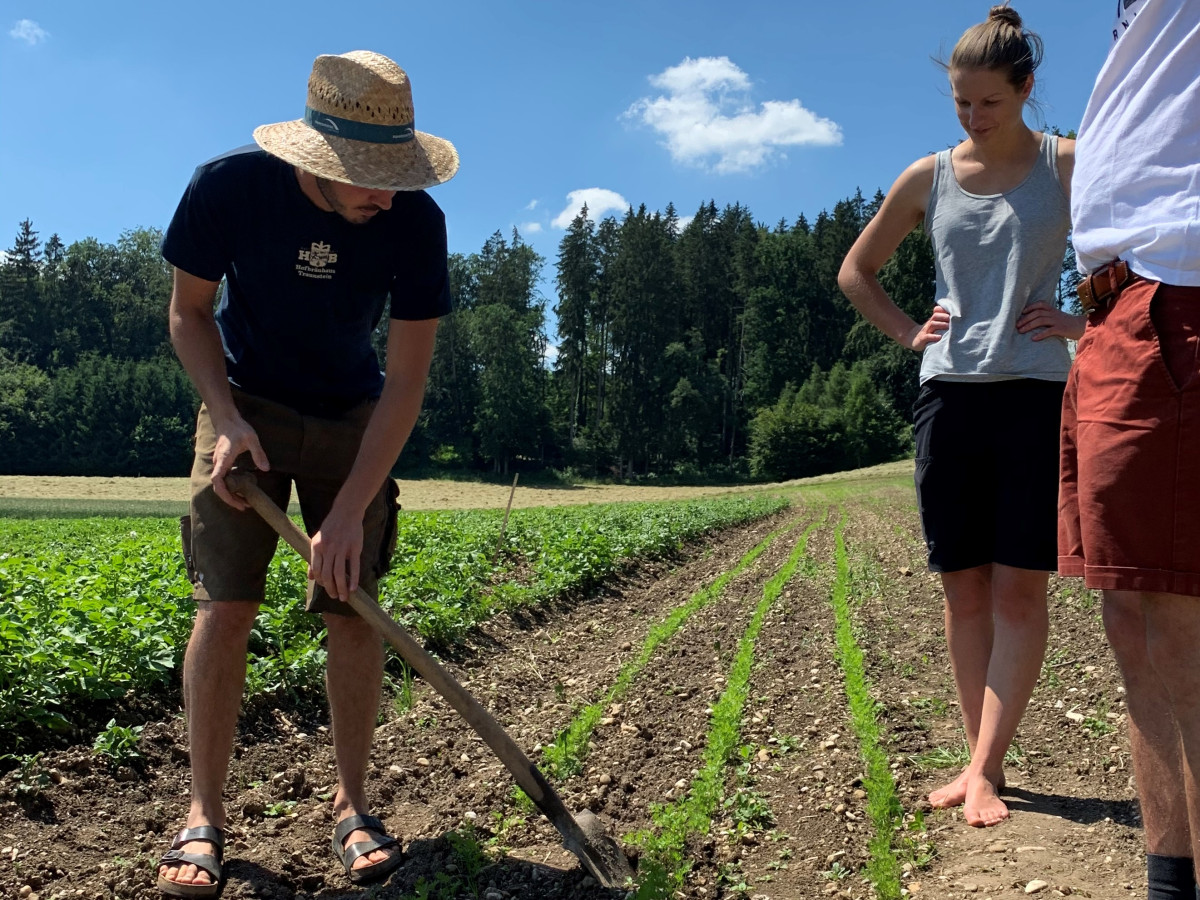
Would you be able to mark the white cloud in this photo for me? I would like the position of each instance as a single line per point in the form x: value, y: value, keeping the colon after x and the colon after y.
x: 532, y: 204
x: 529, y: 227
x: 598, y: 200
x: 684, y: 222
x: 29, y: 31
x: 707, y: 120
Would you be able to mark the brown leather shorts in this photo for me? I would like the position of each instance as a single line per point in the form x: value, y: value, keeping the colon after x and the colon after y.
x: 1129, y: 495
x: 228, y: 552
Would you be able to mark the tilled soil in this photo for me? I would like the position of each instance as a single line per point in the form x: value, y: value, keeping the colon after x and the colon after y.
x: 1074, y: 823
x: 793, y: 824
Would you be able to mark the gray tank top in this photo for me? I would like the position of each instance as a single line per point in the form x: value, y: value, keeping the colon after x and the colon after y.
x: 996, y: 254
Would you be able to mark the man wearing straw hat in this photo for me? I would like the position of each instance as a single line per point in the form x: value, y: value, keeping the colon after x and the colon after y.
x: 312, y: 234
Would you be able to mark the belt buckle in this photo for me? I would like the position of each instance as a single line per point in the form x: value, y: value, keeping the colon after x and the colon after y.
x: 1113, y: 276
x: 1087, y: 300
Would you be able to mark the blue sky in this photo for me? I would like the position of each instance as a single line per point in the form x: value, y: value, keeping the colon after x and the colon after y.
x: 106, y: 108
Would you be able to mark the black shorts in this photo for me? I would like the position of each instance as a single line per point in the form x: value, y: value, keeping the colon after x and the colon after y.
x: 987, y: 472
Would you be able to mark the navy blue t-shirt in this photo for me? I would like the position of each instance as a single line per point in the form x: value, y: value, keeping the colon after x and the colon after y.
x: 303, y: 287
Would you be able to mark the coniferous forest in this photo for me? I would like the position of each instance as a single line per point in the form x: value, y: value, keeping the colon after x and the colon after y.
x: 719, y: 350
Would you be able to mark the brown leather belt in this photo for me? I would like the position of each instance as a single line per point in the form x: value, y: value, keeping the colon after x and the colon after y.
x: 1100, y: 289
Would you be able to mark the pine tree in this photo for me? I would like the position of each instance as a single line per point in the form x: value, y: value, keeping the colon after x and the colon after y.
x: 578, y: 273
x: 19, y: 294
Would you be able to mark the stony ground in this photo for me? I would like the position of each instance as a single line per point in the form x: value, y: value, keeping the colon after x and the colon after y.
x: 793, y: 823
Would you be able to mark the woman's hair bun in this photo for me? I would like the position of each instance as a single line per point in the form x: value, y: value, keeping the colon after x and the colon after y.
x: 1005, y: 14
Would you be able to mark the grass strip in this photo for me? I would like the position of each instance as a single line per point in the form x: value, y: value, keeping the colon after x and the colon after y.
x: 564, y: 757
x: 664, y: 865
x: 883, y: 806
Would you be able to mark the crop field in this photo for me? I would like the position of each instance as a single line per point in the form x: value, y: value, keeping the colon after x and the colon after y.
x: 751, y: 691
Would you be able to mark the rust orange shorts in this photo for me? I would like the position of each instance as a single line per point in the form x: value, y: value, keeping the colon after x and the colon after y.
x: 1129, y: 498
x: 228, y: 551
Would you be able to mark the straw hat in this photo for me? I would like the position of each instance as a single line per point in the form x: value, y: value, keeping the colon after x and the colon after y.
x: 358, y: 128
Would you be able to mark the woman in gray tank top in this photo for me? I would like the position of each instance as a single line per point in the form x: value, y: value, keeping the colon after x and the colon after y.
x: 993, y: 369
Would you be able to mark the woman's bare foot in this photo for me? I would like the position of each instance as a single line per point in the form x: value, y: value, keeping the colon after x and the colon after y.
x: 983, y: 806
x: 955, y: 793
x: 952, y: 794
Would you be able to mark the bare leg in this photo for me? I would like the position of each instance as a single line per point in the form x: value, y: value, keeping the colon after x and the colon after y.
x: 1153, y: 733
x: 969, y: 634
x: 1018, y: 648
x: 1173, y: 649
x: 353, y: 682
x: 214, y: 674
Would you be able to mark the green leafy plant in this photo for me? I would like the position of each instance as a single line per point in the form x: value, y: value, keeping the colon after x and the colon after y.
x: 469, y: 855
x: 118, y: 744
x: 748, y: 810
x: 837, y: 872
x: 934, y: 705
x: 92, y: 609
x: 524, y: 802
x: 31, y: 777
x: 786, y: 743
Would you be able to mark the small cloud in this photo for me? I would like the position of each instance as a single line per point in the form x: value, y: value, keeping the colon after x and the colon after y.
x: 684, y: 222
x: 598, y: 201
x: 551, y: 353
x: 707, y: 119
x: 29, y: 31
x: 532, y: 204
x: 529, y: 227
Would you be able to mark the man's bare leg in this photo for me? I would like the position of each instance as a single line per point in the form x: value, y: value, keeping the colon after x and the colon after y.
x: 354, y: 679
x: 969, y: 635
x: 214, y: 676
x: 1153, y: 734
x: 1018, y: 648
x: 1172, y: 636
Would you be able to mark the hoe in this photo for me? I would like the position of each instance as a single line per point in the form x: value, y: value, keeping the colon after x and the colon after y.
x: 583, y: 835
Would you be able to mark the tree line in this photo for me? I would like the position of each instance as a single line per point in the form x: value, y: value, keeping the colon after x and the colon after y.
x: 716, y: 348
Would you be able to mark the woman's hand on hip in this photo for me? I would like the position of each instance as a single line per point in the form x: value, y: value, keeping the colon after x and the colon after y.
x: 1045, y: 321
x: 930, y: 332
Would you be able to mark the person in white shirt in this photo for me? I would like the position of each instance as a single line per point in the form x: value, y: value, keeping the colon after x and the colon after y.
x: 1129, y: 497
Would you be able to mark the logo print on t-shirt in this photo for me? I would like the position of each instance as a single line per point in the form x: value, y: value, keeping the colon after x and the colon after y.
x: 318, y: 255
x: 320, y: 262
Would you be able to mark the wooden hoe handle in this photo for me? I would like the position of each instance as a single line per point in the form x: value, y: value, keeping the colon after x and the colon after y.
x: 525, y: 772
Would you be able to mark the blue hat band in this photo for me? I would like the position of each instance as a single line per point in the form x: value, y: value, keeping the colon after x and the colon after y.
x: 358, y: 131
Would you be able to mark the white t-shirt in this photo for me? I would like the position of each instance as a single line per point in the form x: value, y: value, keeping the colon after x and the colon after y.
x: 1135, y: 194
